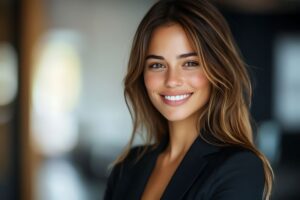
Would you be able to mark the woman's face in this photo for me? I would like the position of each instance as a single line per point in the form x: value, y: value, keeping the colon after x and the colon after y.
x: 173, y: 75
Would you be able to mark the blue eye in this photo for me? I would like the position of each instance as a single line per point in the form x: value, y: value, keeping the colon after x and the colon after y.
x: 191, y: 64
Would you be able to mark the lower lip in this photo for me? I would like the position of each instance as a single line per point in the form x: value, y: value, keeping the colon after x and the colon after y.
x: 175, y: 103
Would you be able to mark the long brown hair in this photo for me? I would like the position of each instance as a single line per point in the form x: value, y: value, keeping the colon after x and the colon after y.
x: 226, y: 115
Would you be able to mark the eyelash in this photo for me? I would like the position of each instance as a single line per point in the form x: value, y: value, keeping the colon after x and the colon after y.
x: 152, y: 66
x: 194, y: 63
x: 190, y: 64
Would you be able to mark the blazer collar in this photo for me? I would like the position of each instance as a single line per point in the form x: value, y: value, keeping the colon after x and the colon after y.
x: 188, y: 170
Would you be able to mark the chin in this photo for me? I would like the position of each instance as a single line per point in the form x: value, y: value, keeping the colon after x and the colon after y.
x: 175, y: 117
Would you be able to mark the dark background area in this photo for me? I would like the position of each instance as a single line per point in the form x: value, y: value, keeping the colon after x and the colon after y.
x: 255, y: 35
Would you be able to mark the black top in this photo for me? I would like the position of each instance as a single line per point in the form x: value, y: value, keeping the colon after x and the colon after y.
x: 207, y: 172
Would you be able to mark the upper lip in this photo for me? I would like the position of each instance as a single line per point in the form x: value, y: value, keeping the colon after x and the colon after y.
x: 175, y: 93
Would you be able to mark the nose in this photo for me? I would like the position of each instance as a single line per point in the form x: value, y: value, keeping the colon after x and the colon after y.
x: 173, y: 78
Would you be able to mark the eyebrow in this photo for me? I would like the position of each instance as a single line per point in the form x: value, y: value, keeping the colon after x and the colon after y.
x: 185, y: 55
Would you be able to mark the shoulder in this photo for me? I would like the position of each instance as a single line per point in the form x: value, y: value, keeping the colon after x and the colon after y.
x: 137, y: 152
x: 119, y: 169
x: 132, y: 156
x: 239, y: 174
x: 240, y: 157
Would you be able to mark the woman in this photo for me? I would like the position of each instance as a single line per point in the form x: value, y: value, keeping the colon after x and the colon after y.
x: 188, y: 90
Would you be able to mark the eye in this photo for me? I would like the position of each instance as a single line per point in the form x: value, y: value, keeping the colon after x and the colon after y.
x: 191, y: 64
x: 156, y: 66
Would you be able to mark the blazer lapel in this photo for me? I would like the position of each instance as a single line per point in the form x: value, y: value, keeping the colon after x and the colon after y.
x: 142, y: 171
x: 188, y: 170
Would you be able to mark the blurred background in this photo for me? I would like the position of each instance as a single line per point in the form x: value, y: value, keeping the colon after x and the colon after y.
x: 63, y: 119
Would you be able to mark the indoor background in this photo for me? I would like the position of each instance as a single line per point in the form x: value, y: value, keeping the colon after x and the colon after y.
x: 63, y: 118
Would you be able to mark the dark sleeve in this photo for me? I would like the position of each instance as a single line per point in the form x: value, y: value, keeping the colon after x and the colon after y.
x: 241, y: 176
x: 111, y: 182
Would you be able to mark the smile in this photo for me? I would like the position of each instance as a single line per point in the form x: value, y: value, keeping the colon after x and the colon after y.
x: 177, y: 97
x: 175, y: 100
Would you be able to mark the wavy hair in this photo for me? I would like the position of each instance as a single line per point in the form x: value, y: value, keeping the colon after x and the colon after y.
x: 226, y: 115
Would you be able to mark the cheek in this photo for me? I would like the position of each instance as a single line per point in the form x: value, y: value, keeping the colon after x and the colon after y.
x: 152, y: 81
x: 198, y: 80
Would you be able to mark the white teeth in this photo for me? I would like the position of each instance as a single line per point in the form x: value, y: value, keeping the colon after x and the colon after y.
x: 177, y: 97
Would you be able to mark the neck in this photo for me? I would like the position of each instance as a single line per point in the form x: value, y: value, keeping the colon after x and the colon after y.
x: 181, y: 136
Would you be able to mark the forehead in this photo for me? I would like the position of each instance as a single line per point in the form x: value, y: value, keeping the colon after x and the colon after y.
x: 169, y: 39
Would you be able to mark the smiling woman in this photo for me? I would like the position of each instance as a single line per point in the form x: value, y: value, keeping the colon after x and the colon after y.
x: 176, y: 83
x: 188, y: 87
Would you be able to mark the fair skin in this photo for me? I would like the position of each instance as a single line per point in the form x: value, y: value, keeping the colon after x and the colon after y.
x: 177, y: 87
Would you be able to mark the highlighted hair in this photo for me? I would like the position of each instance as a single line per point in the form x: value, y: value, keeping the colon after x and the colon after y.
x: 226, y: 115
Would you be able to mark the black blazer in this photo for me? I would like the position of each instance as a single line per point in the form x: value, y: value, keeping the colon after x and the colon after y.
x: 206, y: 172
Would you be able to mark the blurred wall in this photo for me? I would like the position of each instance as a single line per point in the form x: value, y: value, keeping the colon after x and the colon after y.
x: 80, y: 122
x: 9, y: 115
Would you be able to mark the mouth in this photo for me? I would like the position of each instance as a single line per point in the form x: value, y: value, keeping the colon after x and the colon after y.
x: 175, y: 100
